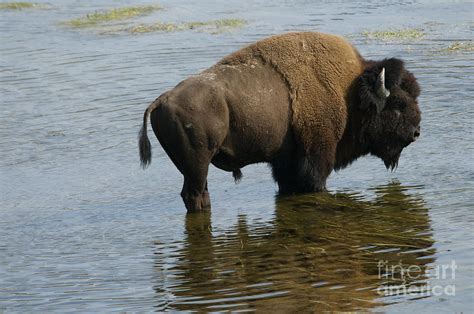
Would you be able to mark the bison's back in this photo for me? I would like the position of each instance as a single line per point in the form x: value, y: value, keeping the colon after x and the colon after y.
x: 318, y: 70
x: 258, y: 103
x: 241, y: 110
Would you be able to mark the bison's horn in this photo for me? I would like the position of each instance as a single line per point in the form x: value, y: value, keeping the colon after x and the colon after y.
x: 382, y: 92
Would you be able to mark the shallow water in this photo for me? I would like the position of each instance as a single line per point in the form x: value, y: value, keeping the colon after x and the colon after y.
x: 83, y: 228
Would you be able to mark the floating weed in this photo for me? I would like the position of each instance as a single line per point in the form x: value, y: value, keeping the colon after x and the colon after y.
x: 402, y: 34
x: 460, y: 46
x: 17, y: 5
x: 194, y: 25
x: 216, y: 26
x: 155, y: 27
x: 230, y: 23
x: 118, y: 14
x: 454, y: 47
x: 227, y: 25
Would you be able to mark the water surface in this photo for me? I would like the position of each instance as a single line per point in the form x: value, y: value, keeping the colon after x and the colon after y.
x: 83, y: 228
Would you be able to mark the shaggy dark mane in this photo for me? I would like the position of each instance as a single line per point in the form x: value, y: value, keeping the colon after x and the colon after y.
x: 394, y: 69
x: 355, y: 142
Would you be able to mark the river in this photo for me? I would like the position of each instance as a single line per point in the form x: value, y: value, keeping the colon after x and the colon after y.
x: 83, y: 228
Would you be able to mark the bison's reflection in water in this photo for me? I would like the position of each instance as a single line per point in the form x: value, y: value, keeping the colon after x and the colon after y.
x: 320, y: 252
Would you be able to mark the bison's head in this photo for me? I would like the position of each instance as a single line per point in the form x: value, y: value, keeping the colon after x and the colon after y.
x: 388, y: 98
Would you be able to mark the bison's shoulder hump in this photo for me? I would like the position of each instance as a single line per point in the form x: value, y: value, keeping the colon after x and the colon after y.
x: 318, y: 69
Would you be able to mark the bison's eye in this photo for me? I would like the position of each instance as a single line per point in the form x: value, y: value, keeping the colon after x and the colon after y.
x: 397, y: 113
x: 399, y: 103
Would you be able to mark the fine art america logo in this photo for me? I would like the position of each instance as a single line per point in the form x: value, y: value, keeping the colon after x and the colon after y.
x: 410, y: 280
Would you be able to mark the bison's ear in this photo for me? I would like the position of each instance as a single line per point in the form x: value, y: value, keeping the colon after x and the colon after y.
x: 372, y: 90
x: 410, y: 85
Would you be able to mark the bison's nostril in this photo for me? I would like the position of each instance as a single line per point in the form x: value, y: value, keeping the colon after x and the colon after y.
x: 416, y: 134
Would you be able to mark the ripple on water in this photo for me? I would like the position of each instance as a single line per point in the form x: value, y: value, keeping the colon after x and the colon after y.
x: 312, y: 255
x: 79, y: 219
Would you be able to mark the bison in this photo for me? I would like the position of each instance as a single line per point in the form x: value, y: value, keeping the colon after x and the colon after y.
x: 307, y: 103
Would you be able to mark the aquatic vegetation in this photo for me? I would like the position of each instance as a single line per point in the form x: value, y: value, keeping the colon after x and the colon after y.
x: 231, y: 23
x: 117, y: 14
x: 454, y: 47
x: 155, y: 27
x: 216, y: 26
x: 460, y: 46
x: 401, y: 34
x: 16, y: 5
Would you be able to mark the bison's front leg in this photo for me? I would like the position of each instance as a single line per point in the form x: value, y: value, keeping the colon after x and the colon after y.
x: 284, y: 170
x: 312, y: 173
x: 303, y: 174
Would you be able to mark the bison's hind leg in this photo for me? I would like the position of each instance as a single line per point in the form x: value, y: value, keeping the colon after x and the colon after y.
x: 185, y: 143
x: 195, y: 194
x: 194, y: 166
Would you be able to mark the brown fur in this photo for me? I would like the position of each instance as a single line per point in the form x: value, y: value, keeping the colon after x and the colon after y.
x: 318, y: 69
x: 306, y: 103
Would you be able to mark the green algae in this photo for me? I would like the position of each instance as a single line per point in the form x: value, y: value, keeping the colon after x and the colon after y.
x: 400, y: 34
x: 155, y: 27
x: 460, y: 46
x: 17, y: 5
x: 216, y: 26
x: 118, y: 14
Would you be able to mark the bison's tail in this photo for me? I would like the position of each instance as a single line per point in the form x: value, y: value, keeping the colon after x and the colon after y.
x: 144, y: 145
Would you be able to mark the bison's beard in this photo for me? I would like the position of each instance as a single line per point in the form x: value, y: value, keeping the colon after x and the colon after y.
x: 391, y: 160
x: 390, y: 156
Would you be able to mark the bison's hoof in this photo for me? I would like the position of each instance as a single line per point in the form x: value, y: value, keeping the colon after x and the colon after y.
x: 199, y: 203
